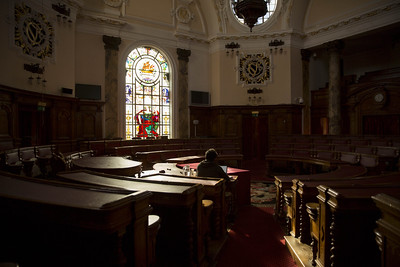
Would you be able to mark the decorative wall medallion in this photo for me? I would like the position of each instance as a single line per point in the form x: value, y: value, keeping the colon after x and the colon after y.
x: 183, y: 14
x: 254, y: 69
x: 33, y: 33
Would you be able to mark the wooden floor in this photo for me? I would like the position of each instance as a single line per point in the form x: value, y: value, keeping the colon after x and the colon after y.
x: 300, y: 252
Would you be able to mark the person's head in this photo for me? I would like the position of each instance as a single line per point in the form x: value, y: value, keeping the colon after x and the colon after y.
x: 211, y: 154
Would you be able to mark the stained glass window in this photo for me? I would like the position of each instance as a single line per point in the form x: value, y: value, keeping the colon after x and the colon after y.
x: 147, y: 94
x: 271, y: 6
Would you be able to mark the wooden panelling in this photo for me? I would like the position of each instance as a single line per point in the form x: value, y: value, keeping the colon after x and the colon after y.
x: 237, y: 122
x: 369, y: 106
x: 24, y: 121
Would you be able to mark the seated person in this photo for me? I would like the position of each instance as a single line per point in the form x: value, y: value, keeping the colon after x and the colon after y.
x: 209, y: 167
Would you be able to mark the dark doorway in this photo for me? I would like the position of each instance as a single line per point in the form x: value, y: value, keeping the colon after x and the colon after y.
x: 34, y: 126
x: 255, y: 136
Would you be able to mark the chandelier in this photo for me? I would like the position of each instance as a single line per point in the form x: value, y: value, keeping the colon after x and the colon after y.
x: 250, y: 11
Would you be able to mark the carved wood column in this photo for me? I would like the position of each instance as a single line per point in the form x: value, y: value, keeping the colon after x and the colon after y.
x: 183, y: 107
x: 334, y: 108
x: 305, y: 59
x: 112, y: 120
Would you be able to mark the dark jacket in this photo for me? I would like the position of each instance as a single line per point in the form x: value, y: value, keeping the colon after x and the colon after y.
x: 211, y: 169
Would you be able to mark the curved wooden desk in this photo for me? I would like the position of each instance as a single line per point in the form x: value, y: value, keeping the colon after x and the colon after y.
x: 243, y: 182
x: 177, y: 204
x: 168, y: 168
x: 111, y: 165
x: 72, y: 224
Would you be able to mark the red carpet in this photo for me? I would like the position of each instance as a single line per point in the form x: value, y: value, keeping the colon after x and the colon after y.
x: 255, y: 240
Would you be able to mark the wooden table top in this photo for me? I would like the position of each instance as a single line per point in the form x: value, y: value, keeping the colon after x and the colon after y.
x: 60, y: 195
x: 182, y: 179
x: 124, y: 182
x: 168, y: 168
x: 186, y: 159
x: 112, y: 165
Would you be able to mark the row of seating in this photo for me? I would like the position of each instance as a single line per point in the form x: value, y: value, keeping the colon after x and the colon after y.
x: 285, y: 183
x: 308, y: 232
x: 25, y: 159
x: 52, y: 223
x: 391, y: 151
x: 192, y: 213
x: 330, y: 217
x: 149, y: 158
x: 213, y: 225
x: 335, y: 219
x: 376, y: 159
x: 38, y: 161
x: 106, y: 147
x: 336, y: 140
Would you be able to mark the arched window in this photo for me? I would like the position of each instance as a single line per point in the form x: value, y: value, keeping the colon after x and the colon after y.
x: 147, y: 94
x: 271, y: 6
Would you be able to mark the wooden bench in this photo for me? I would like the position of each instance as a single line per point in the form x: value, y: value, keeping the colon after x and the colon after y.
x: 352, y: 199
x: 387, y: 233
x: 107, y: 146
x: 149, y: 158
x: 47, y: 223
x: 214, y: 189
x: 285, y: 182
x: 300, y: 161
x: 304, y: 190
x: 179, y: 206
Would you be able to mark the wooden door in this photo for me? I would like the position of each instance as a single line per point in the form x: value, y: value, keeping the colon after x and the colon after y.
x: 254, y: 134
x: 34, y: 126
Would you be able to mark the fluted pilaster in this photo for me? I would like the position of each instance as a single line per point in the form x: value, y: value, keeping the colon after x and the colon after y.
x: 305, y: 58
x: 111, y: 46
x: 183, y: 107
x: 334, y: 108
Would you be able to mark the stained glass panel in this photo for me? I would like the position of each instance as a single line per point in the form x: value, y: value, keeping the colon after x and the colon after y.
x: 147, y: 93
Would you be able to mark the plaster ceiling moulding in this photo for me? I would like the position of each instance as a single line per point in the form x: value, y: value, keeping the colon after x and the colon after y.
x: 103, y: 20
x: 255, y: 36
x: 352, y: 26
x: 183, y: 36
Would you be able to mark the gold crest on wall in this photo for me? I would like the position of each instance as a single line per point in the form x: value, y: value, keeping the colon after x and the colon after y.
x: 254, y: 69
x: 33, y: 33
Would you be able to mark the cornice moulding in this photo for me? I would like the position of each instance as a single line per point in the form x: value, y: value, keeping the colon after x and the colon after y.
x: 254, y: 36
x: 102, y: 20
x: 355, y: 25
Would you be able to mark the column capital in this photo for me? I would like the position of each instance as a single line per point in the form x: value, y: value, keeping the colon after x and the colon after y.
x: 111, y: 43
x: 183, y: 54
